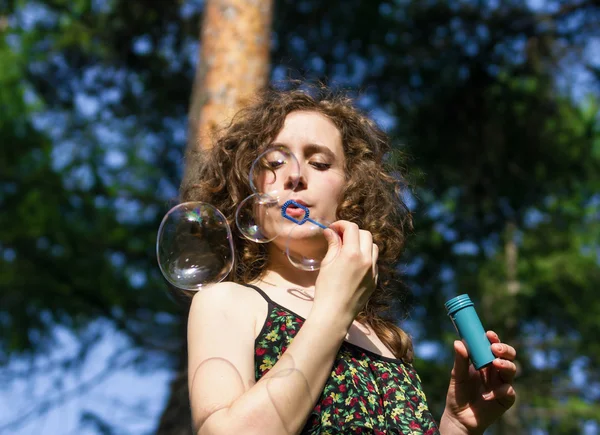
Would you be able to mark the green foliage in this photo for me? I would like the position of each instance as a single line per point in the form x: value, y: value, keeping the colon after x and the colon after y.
x: 94, y: 97
x: 78, y: 242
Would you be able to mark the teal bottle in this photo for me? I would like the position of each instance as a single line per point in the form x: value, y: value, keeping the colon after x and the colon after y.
x: 462, y: 313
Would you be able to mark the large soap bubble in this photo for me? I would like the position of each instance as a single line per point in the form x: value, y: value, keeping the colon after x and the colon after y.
x: 194, y: 246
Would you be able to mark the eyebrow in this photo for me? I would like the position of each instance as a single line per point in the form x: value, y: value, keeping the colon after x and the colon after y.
x: 312, y: 148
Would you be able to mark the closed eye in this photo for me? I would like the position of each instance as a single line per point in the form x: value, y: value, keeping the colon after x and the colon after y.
x: 276, y: 164
x: 321, y: 166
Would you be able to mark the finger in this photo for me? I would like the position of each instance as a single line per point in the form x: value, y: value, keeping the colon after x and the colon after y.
x: 503, y: 350
x: 507, y: 370
x: 374, y: 258
x: 460, y: 371
x: 366, y: 243
x: 348, y: 232
x: 493, y: 337
x: 338, y: 227
x: 333, y: 245
x: 505, y: 395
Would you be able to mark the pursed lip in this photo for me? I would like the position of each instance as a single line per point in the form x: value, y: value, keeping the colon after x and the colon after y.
x: 295, y: 212
x: 299, y: 201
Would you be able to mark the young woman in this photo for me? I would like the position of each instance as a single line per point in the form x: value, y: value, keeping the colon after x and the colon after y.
x: 281, y: 350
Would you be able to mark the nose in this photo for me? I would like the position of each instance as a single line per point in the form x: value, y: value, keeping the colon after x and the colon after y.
x: 295, y: 182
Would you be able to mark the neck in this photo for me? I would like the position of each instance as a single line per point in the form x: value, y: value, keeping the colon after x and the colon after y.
x: 281, y: 273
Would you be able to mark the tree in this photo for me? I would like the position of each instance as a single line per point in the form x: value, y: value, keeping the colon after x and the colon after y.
x: 234, y: 64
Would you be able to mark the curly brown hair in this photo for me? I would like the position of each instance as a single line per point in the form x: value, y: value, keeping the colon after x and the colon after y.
x: 371, y: 197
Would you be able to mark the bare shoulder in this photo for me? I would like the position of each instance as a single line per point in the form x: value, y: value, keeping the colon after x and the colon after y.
x: 221, y: 326
x: 227, y: 300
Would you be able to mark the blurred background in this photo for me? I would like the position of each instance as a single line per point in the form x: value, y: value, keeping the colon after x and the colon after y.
x: 494, y: 102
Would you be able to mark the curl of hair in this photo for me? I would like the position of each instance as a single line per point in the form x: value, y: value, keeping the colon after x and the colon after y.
x: 371, y: 197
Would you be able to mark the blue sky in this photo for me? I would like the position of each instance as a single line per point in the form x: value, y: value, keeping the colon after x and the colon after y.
x: 107, y: 382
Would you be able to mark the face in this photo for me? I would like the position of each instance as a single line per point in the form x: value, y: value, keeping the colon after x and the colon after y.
x: 317, y: 145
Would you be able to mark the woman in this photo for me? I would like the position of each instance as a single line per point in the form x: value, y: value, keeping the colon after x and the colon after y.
x: 280, y: 350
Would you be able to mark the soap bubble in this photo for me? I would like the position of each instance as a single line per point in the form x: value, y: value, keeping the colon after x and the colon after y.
x: 194, y: 246
x: 258, y: 218
x: 306, y: 247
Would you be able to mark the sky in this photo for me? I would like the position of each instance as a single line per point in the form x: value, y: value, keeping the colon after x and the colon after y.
x: 106, y: 382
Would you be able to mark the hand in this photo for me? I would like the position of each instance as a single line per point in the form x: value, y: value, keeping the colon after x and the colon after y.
x: 471, y: 406
x: 349, y: 272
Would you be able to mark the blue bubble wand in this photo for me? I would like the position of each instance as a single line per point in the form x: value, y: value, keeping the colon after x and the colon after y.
x: 306, y: 217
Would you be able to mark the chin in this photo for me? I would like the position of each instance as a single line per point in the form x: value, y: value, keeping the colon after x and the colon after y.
x: 306, y: 244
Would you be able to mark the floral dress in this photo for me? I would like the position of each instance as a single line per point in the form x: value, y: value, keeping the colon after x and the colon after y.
x: 366, y: 393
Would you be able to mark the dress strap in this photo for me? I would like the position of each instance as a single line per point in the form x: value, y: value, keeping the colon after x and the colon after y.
x: 262, y: 293
x: 272, y: 303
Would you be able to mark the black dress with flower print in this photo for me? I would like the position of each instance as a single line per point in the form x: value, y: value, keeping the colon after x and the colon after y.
x: 366, y: 393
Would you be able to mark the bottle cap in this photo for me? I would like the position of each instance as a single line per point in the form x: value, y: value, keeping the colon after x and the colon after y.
x: 457, y: 303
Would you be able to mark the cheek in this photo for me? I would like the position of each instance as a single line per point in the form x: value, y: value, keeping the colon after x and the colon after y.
x: 265, y: 180
x: 333, y: 190
x: 335, y: 186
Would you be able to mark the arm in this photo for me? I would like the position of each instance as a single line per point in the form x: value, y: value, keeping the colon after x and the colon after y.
x: 223, y: 395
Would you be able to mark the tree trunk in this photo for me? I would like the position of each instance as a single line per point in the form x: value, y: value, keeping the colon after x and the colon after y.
x: 233, y: 65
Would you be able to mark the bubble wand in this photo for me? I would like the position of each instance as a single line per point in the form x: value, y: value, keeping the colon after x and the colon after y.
x: 306, y: 217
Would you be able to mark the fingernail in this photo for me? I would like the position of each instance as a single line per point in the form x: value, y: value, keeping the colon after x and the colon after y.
x: 487, y: 396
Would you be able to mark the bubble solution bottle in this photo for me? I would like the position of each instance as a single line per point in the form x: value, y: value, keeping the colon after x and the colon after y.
x: 461, y: 311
